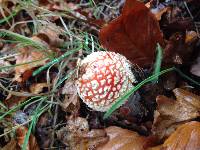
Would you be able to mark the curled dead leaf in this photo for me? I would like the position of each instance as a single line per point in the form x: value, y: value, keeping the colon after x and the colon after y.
x: 186, y: 137
x: 123, y: 139
x: 134, y: 34
x: 77, y: 135
x: 171, y: 113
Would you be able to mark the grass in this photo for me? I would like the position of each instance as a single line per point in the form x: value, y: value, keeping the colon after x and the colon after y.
x: 120, y: 101
x: 57, y: 60
x: 38, y: 111
x: 157, y: 65
x: 21, y: 39
x: 77, y: 41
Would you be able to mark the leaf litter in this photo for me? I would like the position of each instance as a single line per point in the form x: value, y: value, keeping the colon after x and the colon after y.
x: 41, y: 44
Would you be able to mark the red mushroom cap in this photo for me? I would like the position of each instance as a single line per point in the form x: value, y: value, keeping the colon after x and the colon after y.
x: 103, y: 78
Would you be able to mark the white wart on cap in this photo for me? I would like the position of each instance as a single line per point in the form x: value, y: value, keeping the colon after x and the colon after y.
x: 103, y: 78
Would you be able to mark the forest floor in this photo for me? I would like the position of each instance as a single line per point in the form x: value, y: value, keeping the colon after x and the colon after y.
x: 42, y: 43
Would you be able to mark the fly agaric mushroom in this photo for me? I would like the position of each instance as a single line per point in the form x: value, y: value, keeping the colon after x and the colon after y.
x: 103, y: 78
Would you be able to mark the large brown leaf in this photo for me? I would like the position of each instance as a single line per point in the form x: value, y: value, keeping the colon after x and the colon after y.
x: 123, y: 139
x: 134, y: 33
x: 171, y: 113
x: 186, y: 137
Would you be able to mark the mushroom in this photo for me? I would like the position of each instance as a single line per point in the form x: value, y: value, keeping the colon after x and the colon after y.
x: 103, y: 77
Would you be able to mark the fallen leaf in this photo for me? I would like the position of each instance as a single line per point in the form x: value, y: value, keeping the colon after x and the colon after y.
x: 123, y: 139
x: 134, y: 33
x: 49, y: 37
x: 28, y: 55
x: 186, y: 137
x: 171, y: 113
x: 13, y: 100
x: 36, y: 88
x: 21, y: 133
x: 70, y: 92
x: 77, y: 135
x: 12, y: 145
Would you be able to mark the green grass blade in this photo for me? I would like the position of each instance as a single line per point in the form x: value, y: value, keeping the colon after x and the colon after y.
x: 65, y: 78
x: 34, y: 120
x: 158, y: 62
x: 6, y: 19
x: 122, y: 99
x: 57, y: 60
x: 18, y: 107
x: 186, y: 77
x: 21, y: 39
x: 30, y: 62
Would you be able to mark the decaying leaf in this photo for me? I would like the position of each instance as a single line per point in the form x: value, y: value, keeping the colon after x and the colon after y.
x: 32, y: 58
x: 70, y: 92
x: 35, y: 59
x: 12, y: 145
x: 123, y: 139
x: 134, y: 34
x: 38, y: 87
x: 171, y: 113
x: 13, y: 100
x: 186, y: 137
x: 76, y: 135
x: 21, y: 133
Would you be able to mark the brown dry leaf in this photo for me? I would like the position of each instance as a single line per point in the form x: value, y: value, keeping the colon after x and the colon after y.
x: 78, y: 137
x: 36, y: 88
x: 134, y: 34
x: 48, y: 36
x: 13, y: 100
x: 21, y: 133
x: 28, y: 55
x: 12, y: 145
x: 123, y: 139
x: 171, y: 113
x: 70, y: 92
x: 186, y: 137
